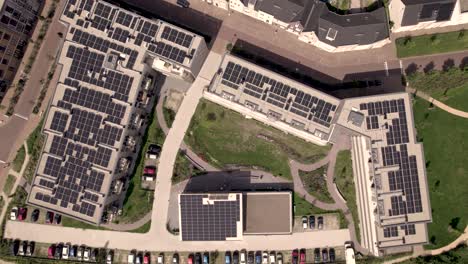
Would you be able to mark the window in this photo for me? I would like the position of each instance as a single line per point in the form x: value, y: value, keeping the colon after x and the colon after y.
x: 2, y: 48
x: 5, y: 19
x: 11, y: 68
x: 9, y: 9
x: 5, y: 61
x: 331, y: 34
x: 6, y: 36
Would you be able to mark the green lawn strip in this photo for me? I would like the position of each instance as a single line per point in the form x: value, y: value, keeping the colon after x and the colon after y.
x: 35, y: 141
x: 10, y: 181
x: 70, y: 222
x: 380, y: 260
x: 182, y: 168
x: 345, y: 182
x: 169, y: 116
x: 142, y: 229
x: 303, y: 207
x: 227, y: 139
x: 19, y: 159
x: 456, y: 255
x: 431, y: 44
x: 138, y: 202
x: 316, y: 184
x: 444, y: 138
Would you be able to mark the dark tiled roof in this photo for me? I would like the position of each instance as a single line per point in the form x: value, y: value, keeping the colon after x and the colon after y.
x: 417, y: 11
x: 283, y: 10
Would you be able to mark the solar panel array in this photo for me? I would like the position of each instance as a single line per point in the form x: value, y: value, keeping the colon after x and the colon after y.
x: 405, y: 178
x: 168, y: 52
x: 213, y: 222
x: 176, y: 36
x: 278, y: 94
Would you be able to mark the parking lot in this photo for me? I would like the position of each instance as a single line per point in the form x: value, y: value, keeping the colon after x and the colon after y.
x: 330, y: 222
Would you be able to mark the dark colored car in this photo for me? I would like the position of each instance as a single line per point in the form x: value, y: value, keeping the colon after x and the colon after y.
x: 58, y: 251
x: 206, y: 258
x: 30, y: 248
x: 295, y: 256
x: 73, y: 251
x: 58, y: 219
x: 227, y: 257
x: 35, y: 215
x: 235, y: 257
x: 49, y: 217
x: 331, y: 254
x: 197, y: 258
x: 317, y: 255
x: 325, y: 255
x: 22, y: 213
x: 14, y: 247
x: 320, y: 222
x: 312, y: 222
x: 183, y: 3
x: 258, y: 257
x: 250, y: 257
x: 94, y: 254
x: 24, y: 247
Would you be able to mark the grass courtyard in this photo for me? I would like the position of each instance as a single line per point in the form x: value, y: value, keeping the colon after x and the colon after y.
x: 444, y: 138
x: 19, y: 159
x: 316, y: 184
x: 227, y: 139
x: 10, y: 181
x: 432, y: 44
x: 345, y: 182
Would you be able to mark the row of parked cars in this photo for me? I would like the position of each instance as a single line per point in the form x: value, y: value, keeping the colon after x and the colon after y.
x: 20, y: 214
x: 309, y: 222
x: 75, y: 252
x: 135, y: 257
x: 23, y: 248
x: 251, y: 257
x: 328, y: 255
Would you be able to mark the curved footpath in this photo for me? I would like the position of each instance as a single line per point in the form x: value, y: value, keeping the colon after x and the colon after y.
x: 437, y: 103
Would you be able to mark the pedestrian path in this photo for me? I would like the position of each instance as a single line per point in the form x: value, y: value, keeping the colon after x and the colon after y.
x: 437, y: 103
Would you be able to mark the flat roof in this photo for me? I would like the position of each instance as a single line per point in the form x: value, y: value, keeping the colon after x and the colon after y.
x: 268, y: 213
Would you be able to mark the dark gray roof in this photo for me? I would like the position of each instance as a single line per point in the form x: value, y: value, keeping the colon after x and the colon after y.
x: 283, y: 10
x: 417, y: 11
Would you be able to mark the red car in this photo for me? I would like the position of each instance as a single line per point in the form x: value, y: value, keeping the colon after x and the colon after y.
x: 302, y: 257
x: 294, y: 256
x: 146, y: 259
x: 22, y: 213
x: 51, y: 251
x: 149, y: 170
x: 190, y: 259
x: 49, y: 217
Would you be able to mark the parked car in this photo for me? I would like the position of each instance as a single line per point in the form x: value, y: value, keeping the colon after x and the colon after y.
x: 58, y: 251
x: 235, y: 257
x: 304, y: 222
x: 295, y: 256
x: 272, y: 257
x: 35, y: 215
x: 317, y: 255
x: 243, y: 257
x: 160, y: 258
x: 22, y: 248
x: 73, y: 251
x: 183, y: 3
x: 320, y: 222
x: 49, y: 217
x: 30, y: 248
x: 227, y: 257
x: 190, y: 259
x: 110, y: 257
x: 79, y: 253
x: 87, y: 254
x: 265, y: 258
x: 175, y: 258
x: 302, y: 256
x: 15, y: 247
x: 279, y: 258
x: 197, y: 258
x: 312, y: 222
x: 139, y: 258
x: 14, y: 213
x: 147, y: 258
x: 258, y: 257
x: 151, y: 170
x: 131, y: 257
x: 331, y: 254
x: 51, y: 251
x: 325, y: 255
x: 65, y: 251
x: 94, y: 254
x: 58, y: 219
x: 206, y: 258
x: 250, y: 257
x: 22, y: 213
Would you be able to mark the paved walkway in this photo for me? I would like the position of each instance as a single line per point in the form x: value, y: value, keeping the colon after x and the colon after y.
x: 437, y: 103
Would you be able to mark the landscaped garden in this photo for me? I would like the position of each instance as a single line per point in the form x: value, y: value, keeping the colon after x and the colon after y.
x: 229, y: 140
x: 431, y: 44
x: 316, y: 184
x: 444, y: 137
x: 19, y: 159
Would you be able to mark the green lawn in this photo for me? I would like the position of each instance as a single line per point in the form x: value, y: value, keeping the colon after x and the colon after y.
x: 302, y: 207
x: 182, y: 168
x: 19, y: 159
x: 431, y: 44
x: 345, y: 182
x: 10, y: 181
x: 35, y: 141
x: 341, y: 4
x: 70, y: 222
x: 457, y: 255
x: 227, y: 139
x: 142, y: 229
x: 316, y: 184
x: 138, y: 201
x: 444, y: 138
x: 169, y: 116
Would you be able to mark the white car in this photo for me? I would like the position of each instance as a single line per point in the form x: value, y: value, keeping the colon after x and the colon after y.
x: 161, y: 259
x: 304, y: 222
x: 243, y: 257
x: 279, y: 258
x: 131, y: 258
x: 79, y: 253
x: 265, y: 258
x: 109, y: 257
x: 272, y: 257
x: 86, y: 254
x: 65, y: 251
x: 14, y: 213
